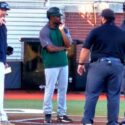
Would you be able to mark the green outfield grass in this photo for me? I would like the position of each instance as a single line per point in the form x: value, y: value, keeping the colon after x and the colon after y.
x: 74, y: 107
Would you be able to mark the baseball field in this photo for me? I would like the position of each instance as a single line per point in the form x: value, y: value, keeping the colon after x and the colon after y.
x: 25, y: 108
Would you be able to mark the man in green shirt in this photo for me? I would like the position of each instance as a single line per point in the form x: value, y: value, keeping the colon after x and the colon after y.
x: 55, y: 38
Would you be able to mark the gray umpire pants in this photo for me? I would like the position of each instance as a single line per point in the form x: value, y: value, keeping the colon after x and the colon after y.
x: 123, y: 82
x: 101, y: 74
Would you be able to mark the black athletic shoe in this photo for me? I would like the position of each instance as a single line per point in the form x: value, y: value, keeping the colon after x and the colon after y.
x: 122, y: 123
x: 47, y: 118
x: 64, y: 119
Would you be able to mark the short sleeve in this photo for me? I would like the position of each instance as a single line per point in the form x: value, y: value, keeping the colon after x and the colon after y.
x: 44, y: 37
x: 89, y: 40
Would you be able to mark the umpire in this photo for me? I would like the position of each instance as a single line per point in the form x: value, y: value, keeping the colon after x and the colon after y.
x: 107, y: 46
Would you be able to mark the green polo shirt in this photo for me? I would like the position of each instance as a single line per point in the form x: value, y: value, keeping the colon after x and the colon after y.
x: 55, y: 59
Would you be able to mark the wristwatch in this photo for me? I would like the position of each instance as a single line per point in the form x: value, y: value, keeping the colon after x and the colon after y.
x: 81, y: 63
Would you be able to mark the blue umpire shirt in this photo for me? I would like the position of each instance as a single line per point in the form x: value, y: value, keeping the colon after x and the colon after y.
x: 3, y: 43
x: 107, y: 40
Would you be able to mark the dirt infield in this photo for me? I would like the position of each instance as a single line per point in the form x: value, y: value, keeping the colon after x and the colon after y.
x: 37, y: 119
x: 36, y: 95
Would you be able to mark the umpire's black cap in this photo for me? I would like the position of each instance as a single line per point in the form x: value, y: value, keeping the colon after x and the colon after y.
x: 53, y: 11
x: 108, y: 14
x: 4, y: 6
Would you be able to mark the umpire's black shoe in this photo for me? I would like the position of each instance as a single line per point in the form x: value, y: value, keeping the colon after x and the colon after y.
x: 47, y: 118
x: 122, y: 123
x: 64, y: 119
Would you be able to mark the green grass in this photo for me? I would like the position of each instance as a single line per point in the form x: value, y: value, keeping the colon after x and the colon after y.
x: 74, y: 107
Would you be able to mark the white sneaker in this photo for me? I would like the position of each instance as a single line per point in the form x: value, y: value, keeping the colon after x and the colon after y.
x: 88, y: 124
x: 3, y: 116
x: 6, y: 123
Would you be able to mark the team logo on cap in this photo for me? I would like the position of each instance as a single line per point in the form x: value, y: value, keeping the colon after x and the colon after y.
x: 4, y: 5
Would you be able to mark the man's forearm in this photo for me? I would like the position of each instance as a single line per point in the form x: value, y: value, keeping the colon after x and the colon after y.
x: 66, y: 39
x: 84, y: 55
x: 52, y: 48
x: 64, y: 36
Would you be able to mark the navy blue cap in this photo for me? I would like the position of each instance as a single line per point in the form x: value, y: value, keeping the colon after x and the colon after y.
x: 108, y: 14
x: 4, y: 6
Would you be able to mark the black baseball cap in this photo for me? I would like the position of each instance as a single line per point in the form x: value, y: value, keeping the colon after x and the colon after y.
x: 108, y: 14
x: 4, y: 6
x: 53, y: 11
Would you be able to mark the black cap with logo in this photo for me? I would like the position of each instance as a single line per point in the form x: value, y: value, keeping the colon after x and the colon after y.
x: 53, y: 11
x: 4, y: 6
